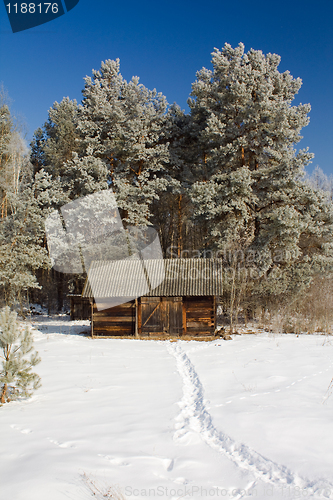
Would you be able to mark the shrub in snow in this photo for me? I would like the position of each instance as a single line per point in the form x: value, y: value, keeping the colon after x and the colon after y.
x: 16, y: 376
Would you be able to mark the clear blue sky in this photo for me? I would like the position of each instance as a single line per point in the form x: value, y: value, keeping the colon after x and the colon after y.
x: 165, y: 43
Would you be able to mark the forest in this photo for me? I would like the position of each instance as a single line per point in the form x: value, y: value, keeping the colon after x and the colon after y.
x: 223, y: 180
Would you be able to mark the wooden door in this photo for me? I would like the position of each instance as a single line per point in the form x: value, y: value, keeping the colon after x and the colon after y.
x: 161, y: 315
x: 150, y: 315
x: 175, y: 314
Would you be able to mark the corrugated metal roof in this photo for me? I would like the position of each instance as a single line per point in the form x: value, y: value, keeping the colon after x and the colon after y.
x: 166, y: 278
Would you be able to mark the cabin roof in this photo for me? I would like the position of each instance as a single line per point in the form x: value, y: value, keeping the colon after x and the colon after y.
x: 166, y: 278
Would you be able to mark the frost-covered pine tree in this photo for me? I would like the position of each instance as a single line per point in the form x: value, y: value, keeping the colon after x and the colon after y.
x: 319, y: 180
x: 179, y: 234
x: 252, y: 193
x: 13, y: 157
x: 18, y: 358
x: 121, y: 126
x: 56, y: 182
x: 21, y: 224
x: 22, y: 235
x: 55, y: 143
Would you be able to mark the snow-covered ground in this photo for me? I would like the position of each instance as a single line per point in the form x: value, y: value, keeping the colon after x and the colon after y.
x: 246, y: 418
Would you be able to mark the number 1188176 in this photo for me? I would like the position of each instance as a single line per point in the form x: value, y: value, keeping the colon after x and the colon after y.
x: 32, y: 8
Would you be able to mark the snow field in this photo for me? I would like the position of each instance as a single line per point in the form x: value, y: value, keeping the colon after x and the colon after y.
x: 247, y: 418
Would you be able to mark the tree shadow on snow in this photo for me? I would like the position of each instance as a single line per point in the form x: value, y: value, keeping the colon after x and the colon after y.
x: 60, y: 324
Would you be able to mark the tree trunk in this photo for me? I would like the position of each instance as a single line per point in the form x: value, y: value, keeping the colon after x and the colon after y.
x: 136, y: 318
x: 180, y: 242
x: 60, y: 290
x: 4, y: 394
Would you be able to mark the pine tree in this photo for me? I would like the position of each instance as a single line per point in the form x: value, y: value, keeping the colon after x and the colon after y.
x: 16, y: 376
x: 55, y: 143
x: 319, y: 180
x: 252, y: 194
x: 173, y: 210
x: 121, y: 126
x: 22, y: 235
x: 21, y: 231
x: 37, y: 157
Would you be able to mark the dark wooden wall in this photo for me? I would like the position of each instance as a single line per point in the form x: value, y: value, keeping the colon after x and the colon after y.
x: 194, y: 316
x: 199, y: 314
x: 79, y: 307
x: 116, y: 321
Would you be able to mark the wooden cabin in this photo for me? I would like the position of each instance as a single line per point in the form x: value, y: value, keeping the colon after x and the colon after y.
x: 184, y: 303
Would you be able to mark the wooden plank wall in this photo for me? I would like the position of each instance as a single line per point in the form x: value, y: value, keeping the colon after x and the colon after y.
x: 177, y: 316
x: 193, y: 316
x: 114, y: 322
x: 200, y: 315
x: 79, y: 307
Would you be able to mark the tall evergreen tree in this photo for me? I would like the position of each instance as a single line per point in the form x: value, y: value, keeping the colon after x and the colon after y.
x: 22, y: 235
x: 173, y: 210
x: 11, y: 152
x: 252, y: 191
x: 52, y: 146
x: 319, y: 180
x: 55, y: 143
x: 62, y: 135
x: 21, y: 230
x: 121, y: 126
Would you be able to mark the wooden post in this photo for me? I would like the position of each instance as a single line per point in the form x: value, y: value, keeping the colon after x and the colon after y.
x: 71, y: 302
x: 139, y: 317
x: 92, y: 318
x: 168, y: 307
x: 184, y: 316
x: 214, y: 307
x: 136, y: 318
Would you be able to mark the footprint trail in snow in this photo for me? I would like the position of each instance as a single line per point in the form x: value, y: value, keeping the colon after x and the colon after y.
x: 194, y: 417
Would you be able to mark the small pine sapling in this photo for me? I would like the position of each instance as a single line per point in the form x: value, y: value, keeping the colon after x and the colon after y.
x: 16, y: 376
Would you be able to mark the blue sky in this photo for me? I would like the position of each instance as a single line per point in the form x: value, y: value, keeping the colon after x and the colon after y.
x: 165, y: 43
